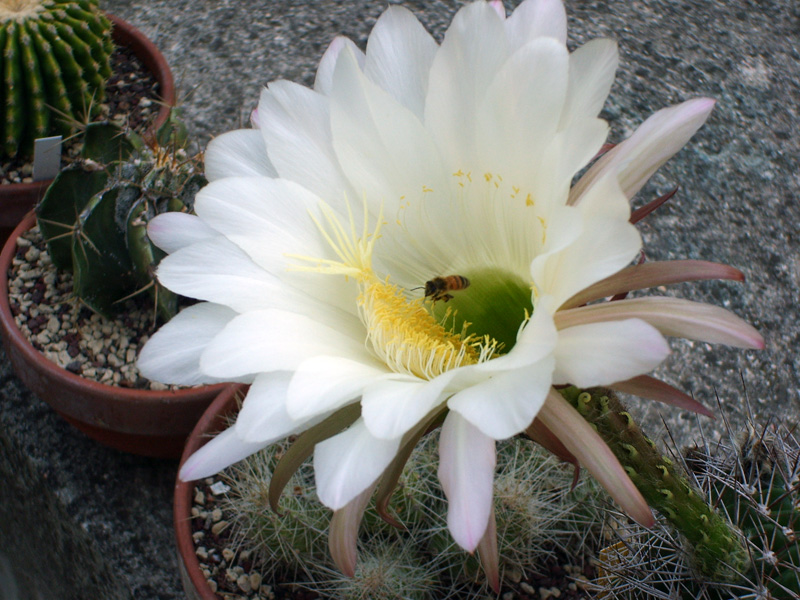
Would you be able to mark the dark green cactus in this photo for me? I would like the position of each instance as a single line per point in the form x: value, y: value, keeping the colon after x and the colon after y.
x: 94, y: 216
x: 717, y: 548
x: 56, y: 60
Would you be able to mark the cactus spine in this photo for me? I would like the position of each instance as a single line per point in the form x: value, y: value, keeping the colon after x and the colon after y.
x: 94, y: 215
x: 56, y: 60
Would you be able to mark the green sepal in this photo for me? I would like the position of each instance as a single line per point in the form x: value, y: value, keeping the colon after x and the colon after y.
x: 102, y: 270
x: 57, y: 212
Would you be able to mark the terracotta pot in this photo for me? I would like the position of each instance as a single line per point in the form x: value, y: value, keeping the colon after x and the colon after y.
x: 213, y: 421
x: 17, y: 199
x: 146, y: 422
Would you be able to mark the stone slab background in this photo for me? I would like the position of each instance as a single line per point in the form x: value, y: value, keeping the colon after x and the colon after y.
x: 738, y: 203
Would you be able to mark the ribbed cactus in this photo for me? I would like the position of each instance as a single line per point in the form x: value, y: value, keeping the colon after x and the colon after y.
x: 94, y: 216
x: 754, y: 485
x: 54, y: 68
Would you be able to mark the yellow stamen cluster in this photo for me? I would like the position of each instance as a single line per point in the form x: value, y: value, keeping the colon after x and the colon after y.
x: 405, y: 336
x: 401, y: 332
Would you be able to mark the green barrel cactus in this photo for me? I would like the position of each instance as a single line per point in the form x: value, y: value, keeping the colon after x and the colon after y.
x: 94, y: 215
x: 56, y: 61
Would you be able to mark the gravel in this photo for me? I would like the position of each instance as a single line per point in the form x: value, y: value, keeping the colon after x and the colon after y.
x: 68, y: 333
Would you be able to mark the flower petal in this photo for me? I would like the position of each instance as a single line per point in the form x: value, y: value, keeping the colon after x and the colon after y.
x: 323, y: 82
x: 324, y: 383
x: 673, y: 317
x: 263, y: 417
x: 505, y: 404
x: 219, y: 271
x: 391, y: 407
x: 588, y: 447
x: 537, y: 18
x: 518, y: 115
x: 399, y: 57
x: 266, y: 218
x: 651, y: 388
x: 172, y: 354
x: 466, y: 470
x: 223, y: 450
x: 382, y: 146
x: 604, y: 353
x: 473, y: 51
x: 171, y: 231
x: 591, y: 74
x: 650, y: 146
x: 639, y: 277
x: 343, y: 532
x: 295, y: 123
x: 348, y: 463
x: 240, y: 153
x: 565, y: 272
x: 274, y: 340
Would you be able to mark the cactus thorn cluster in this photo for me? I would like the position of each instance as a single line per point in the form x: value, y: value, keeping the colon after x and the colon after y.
x: 94, y: 215
x: 55, y: 64
x: 536, y: 507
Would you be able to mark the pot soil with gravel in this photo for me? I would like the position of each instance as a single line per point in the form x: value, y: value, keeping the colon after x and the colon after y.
x: 234, y: 573
x: 68, y: 333
x: 132, y: 98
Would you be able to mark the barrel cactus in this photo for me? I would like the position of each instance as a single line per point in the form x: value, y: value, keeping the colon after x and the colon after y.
x: 94, y: 215
x: 56, y: 60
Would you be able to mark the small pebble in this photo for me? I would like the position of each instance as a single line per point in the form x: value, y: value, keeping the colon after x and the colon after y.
x: 218, y: 528
x: 243, y: 583
x: 227, y: 554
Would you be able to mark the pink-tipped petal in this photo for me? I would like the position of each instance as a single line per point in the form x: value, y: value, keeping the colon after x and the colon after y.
x: 672, y: 317
x: 651, y: 388
x: 647, y: 275
x: 343, y: 532
x: 489, y: 555
x: 651, y: 145
x: 466, y: 470
x: 588, y: 447
x: 498, y: 7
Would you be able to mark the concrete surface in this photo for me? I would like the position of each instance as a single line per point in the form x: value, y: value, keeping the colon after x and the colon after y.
x: 738, y: 203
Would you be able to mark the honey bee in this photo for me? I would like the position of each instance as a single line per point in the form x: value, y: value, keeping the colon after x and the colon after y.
x: 438, y: 288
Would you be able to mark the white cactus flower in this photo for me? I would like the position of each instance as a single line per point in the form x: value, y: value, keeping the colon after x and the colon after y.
x: 417, y: 168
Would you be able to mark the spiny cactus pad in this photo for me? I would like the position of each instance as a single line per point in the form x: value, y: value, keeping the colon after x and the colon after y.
x: 56, y: 60
x: 94, y: 216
